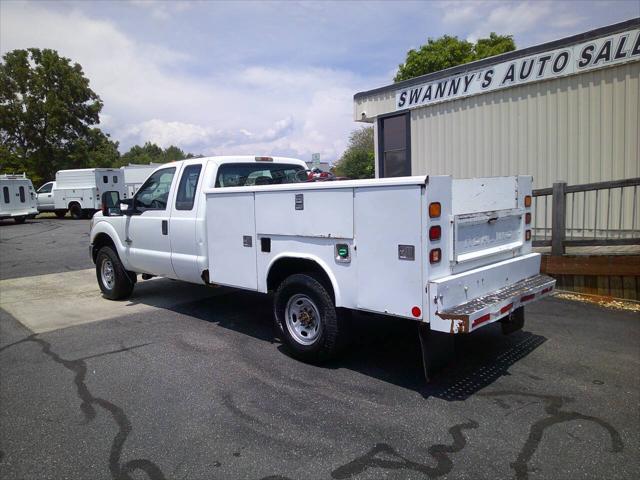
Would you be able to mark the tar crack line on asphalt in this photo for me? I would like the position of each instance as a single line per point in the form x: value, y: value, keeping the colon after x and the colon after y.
x: 552, y: 406
x: 439, y: 452
x: 79, y: 368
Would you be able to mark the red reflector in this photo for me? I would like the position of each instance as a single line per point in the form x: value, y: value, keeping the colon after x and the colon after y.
x: 547, y: 290
x: 506, y: 308
x: 434, y: 255
x: 527, y: 218
x: 481, y: 319
x: 435, y: 232
x: 526, y: 298
x: 416, y: 312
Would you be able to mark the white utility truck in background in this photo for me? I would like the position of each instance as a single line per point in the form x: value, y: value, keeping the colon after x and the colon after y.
x: 79, y: 191
x: 453, y: 255
x: 135, y: 175
x: 18, y: 198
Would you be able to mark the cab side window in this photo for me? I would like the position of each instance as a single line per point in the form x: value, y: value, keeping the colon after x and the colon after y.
x: 187, y: 188
x: 154, y: 193
x: 46, y: 188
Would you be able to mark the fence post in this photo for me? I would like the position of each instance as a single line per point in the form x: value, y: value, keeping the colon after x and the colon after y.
x: 558, y: 218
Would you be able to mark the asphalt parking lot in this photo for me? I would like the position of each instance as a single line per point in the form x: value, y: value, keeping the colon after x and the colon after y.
x: 186, y: 382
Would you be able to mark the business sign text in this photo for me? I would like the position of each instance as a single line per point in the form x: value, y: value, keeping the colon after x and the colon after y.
x: 619, y: 48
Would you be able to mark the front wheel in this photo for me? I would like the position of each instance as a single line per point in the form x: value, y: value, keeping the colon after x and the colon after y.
x: 313, y: 329
x: 114, y: 281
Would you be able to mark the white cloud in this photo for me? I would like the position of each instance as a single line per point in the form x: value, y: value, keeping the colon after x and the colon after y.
x: 149, y: 94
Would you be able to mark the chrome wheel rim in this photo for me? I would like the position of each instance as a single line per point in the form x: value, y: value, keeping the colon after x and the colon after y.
x: 107, y: 274
x: 303, y: 319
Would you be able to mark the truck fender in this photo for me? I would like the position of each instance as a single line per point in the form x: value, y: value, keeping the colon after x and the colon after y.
x: 313, y: 258
x: 105, y: 228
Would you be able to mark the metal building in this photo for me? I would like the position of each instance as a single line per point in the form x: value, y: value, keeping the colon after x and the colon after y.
x: 579, y: 124
x: 567, y: 110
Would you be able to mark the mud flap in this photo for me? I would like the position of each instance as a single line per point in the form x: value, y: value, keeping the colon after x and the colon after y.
x: 438, y: 350
x: 513, y: 322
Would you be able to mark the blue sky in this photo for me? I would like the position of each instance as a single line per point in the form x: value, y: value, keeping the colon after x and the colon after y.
x: 263, y: 77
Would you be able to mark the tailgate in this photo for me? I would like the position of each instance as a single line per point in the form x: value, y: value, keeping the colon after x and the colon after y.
x: 479, y: 237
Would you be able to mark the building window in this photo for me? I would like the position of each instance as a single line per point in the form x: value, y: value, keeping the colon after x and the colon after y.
x: 22, y: 197
x: 187, y: 188
x: 5, y: 193
x: 394, y: 145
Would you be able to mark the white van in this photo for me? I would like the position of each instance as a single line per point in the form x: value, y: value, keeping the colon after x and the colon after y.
x: 18, y: 198
x: 79, y: 190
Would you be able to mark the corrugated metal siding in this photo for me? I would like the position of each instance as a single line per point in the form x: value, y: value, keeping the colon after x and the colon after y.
x: 578, y: 129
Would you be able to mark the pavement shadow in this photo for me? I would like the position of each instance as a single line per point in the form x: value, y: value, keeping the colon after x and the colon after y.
x: 382, y: 347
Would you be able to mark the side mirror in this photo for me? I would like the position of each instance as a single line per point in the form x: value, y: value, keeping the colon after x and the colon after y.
x: 111, y: 204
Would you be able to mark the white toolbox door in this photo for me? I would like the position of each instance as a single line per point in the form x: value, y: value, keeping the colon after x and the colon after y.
x: 231, y: 237
x: 388, y: 226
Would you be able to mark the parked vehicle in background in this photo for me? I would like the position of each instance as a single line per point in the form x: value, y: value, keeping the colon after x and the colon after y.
x: 46, y: 201
x: 79, y: 191
x: 18, y: 198
x: 453, y: 255
x: 135, y: 175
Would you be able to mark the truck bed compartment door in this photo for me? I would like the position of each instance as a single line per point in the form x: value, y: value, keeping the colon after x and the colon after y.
x: 231, y: 238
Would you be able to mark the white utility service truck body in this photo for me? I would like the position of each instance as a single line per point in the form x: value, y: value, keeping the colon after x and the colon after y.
x: 80, y: 190
x: 135, y: 175
x: 454, y: 255
x: 18, y: 198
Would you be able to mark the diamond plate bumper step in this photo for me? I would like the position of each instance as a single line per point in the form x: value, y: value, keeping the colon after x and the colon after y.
x: 498, y: 304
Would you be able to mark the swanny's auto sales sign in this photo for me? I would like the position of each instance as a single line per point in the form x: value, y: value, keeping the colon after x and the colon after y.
x: 619, y: 48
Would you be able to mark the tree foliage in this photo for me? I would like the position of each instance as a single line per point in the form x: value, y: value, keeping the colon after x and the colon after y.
x: 449, y: 51
x: 47, y: 111
x: 152, y: 153
x: 358, y: 159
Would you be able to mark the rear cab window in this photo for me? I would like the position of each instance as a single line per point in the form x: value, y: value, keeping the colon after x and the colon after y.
x: 249, y: 174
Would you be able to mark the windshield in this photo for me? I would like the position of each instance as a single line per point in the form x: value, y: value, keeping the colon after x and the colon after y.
x: 247, y: 174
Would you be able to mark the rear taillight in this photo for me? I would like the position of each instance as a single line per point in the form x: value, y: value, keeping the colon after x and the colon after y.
x: 527, y: 218
x: 435, y: 209
x: 435, y: 255
x: 435, y: 232
x: 527, y: 201
x: 527, y: 235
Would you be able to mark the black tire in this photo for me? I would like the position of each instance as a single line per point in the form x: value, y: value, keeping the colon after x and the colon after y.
x: 122, y: 284
x: 19, y: 220
x: 60, y: 213
x: 332, y: 335
x: 76, y: 211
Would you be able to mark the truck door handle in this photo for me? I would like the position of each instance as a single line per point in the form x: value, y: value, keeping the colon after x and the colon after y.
x: 165, y: 227
x: 492, y: 220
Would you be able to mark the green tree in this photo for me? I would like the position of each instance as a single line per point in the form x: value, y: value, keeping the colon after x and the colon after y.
x: 95, y: 150
x: 358, y: 159
x: 152, y: 153
x: 449, y: 51
x: 46, y: 112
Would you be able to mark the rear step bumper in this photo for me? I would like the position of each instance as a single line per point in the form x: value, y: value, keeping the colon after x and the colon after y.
x: 500, y: 303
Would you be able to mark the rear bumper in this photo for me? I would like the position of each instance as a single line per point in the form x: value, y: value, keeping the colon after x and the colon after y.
x: 488, y: 308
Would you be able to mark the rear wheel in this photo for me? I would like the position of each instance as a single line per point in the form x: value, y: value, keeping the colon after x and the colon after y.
x: 60, y: 213
x: 313, y: 329
x: 19, y: 220
x: 115, y: 282
x: 76, y: 211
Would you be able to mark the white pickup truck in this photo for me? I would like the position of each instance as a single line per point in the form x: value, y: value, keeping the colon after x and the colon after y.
x: 453, y: 255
